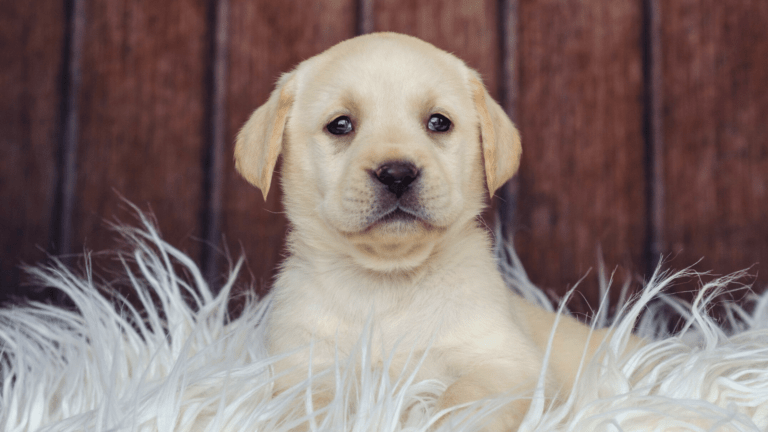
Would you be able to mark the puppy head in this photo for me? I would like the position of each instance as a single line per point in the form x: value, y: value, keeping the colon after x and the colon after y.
x: 388, y: 143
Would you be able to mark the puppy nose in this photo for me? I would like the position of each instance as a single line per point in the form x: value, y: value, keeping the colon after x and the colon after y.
x: 397, y: 176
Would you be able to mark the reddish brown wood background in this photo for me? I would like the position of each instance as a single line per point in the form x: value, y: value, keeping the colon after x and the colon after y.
x: 582, y: 183
x: 644, y: 124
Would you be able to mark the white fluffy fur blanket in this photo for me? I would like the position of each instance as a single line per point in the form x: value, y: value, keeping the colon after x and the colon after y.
x: 181, y: 363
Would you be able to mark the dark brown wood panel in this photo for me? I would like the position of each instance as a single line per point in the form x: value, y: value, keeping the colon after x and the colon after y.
x: 582, y: 183
x: 469, y: 30
x: 142, y: 118
x: 266, y: 39
x: 715, y: 134
x: 31, y: 63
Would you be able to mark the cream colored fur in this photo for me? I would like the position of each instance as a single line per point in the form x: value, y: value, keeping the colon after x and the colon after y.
x: 427, y: 282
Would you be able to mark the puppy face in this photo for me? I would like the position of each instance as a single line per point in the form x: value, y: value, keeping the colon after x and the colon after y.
x: 394, y: 146
x: 388, y: 143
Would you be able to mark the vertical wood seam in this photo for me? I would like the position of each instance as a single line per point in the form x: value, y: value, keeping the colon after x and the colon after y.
x: 61, y: 232
x: 364, y: 18
x: 214, y: 168
x: 653, y: 133
x: 508, y: 89
x: 508, y: 46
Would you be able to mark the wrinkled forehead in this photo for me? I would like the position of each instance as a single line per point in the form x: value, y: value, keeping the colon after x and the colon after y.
x: 384, y: 72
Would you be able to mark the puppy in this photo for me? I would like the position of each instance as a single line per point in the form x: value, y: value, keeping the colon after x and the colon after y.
x: 390, y: 150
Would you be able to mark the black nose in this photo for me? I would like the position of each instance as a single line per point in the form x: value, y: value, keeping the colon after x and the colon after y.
x: 397, y: 176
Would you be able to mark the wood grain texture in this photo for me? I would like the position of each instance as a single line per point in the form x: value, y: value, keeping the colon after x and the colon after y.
x: 266, y: 39
x: 31, y: 63
x: 469, y: 30
x: 715, y: 69
x: 582, y: 183
x: 142, y: 118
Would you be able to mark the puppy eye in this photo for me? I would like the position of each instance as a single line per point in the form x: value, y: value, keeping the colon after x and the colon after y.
x: 340, y: 126
x: 438, y: 123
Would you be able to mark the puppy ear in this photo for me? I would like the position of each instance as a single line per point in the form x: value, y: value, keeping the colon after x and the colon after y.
x: 260, y: 141
x: 500, y: 139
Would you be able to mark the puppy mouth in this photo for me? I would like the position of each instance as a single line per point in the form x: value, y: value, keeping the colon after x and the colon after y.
x: 398, y: 220
x: 398, y: 215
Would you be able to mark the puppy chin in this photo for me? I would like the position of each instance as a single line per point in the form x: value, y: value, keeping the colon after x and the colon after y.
x: 394, y: 245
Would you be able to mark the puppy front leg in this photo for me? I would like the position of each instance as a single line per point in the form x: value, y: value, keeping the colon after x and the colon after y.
x: 483, y: 382
x: 320, y: 398
x: 311, y: 398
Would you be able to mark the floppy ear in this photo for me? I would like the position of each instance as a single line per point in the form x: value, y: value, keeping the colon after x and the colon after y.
x: 260, y: 141
x: 500, y: 139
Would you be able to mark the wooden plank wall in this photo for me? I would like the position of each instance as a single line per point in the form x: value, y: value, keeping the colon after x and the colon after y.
x: 32, y: 63
x: 714, y: 134
x: 582, y: 179
x: 643, y: 124
x: 142, y: 126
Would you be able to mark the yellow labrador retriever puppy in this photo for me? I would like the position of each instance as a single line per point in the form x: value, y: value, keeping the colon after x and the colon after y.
x: 390, y: 149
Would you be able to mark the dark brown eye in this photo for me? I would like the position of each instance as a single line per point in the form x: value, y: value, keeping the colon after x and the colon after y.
x: 438, y: 123
x: 340, y: 126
